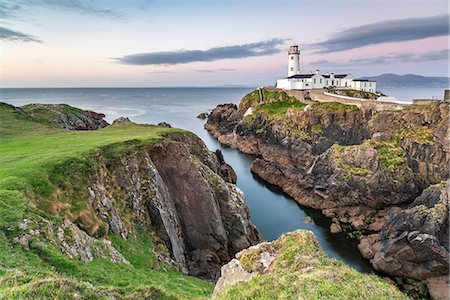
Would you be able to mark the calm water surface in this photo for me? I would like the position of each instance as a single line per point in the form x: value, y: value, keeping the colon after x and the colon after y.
x: 272, y: 211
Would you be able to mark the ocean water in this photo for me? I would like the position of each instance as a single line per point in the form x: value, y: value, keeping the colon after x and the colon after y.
x: 407, y: 94
x: 273, y: 212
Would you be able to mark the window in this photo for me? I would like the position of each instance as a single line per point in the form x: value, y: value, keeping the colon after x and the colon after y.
x: 292, y: 69
x: 346, y: 83
x: 292, y: 58
x: 320, y: 80
x: 314, y: 80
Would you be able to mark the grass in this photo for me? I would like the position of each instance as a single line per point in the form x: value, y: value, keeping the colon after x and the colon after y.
x: 36, y: 160
x: 303, y: 271
x: 390, y: 155
x: 280, y: 108
x: 29, y: 150
x: 420, y: 134
x: 269, y: 97
x: 334, y: 106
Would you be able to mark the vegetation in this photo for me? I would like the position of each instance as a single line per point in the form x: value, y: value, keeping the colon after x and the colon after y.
x: 303, y: 271
x: 36, y: 161
x: 390, y: 154
x: 280, y: 108
x: 334, y: 106
x: 44, y: 114
x: 340, y: 153
x: 419, y: 134
x: 268, y: 96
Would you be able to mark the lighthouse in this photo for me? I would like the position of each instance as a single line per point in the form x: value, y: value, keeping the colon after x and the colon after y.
x: 294, y: 61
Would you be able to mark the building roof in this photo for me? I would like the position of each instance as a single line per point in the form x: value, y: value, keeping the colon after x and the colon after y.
x: 335, y: 76
x: 364, y: 80
x: 301, y: 76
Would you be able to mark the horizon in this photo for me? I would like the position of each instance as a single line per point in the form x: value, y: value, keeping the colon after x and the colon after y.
x: 66, y: 44
x: 224, y: 86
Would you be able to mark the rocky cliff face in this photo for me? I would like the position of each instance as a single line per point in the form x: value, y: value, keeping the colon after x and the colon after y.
x: 356, y: 165
x: 175, y: 187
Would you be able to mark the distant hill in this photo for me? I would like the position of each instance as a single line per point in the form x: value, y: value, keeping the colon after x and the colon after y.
x: 394, y: 80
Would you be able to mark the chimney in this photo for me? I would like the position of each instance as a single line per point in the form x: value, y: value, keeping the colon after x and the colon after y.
x: 317, y: 71
x: 332, y: 75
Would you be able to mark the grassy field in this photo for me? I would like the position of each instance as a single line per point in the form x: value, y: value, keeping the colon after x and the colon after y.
x: 29, y: 153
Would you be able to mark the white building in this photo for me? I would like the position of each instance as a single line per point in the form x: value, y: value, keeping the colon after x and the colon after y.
x: 298, y: 81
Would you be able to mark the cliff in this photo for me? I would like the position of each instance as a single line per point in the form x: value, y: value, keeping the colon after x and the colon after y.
x: 357, y: 164
x: 294, y: 267
x: 117, y: 212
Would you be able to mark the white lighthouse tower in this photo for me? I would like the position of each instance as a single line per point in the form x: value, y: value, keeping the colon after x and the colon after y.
x: 294, y: 61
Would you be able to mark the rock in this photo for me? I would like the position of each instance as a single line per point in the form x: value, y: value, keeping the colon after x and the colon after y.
x: 439, y: 287
x: 415, y: 240
x: 65, y: 116
x: 369, y: 245
x: 294, y: 265
x: 121, y: 120
x: 335, y: 228
x: 230, y: 274
x: 308, y: 219
x: 164, y: 124
x: 202, y: 116
x: 226, y: 171
x: 214, y: 219
x: 358, y: 224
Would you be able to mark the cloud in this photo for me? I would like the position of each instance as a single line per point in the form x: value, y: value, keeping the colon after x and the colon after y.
x: 442, y: 55
x: 383, y: 32
x: 214, y: 71
x: 81, y: 6
x: 11, y: 9
x: 187, y: 56
x: 11, y: 35
x: 8, y: 10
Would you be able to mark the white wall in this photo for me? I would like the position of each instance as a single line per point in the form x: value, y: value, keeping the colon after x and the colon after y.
x: 294, y: 64
x: 317, y: 81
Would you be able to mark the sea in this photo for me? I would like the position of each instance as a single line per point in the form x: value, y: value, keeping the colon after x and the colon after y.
x: 272, y: 211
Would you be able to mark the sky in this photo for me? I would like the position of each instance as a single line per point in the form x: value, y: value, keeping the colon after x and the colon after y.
x: 151, y: 43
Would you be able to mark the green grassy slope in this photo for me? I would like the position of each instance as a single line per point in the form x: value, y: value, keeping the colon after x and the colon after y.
x: 30, y: 152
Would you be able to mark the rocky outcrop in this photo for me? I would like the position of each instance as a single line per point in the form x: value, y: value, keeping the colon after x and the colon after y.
x: 414, y: 240
x: 65, y: 116
x: 69, y: 239
x: 175, y: 187
x: 356, y: 164
x: 294, y: 266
